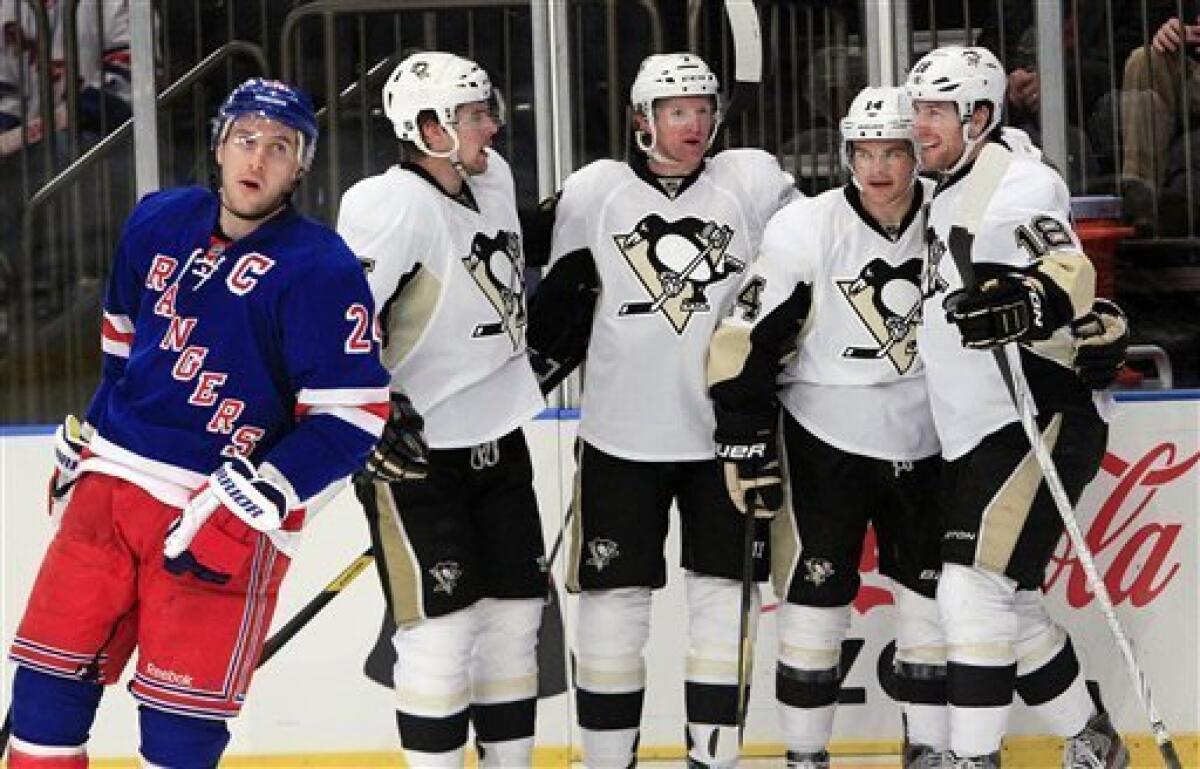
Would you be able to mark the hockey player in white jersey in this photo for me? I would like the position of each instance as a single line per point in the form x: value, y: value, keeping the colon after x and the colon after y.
x: 645, y: 258
x: 1033, y: 284
x: 826, y: 321
x: 455, y: 527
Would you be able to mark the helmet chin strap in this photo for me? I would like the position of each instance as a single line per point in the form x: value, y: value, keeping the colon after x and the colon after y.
x: 450, y: 154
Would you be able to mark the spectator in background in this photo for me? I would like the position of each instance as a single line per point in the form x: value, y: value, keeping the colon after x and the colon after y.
x: 1154, y: 140
x: 1090, y: 63
x: 102, y: 40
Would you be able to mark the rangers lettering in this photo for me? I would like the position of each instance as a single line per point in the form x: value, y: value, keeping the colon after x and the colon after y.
x: 189, y: 363
x: 245, y: 274
x: 227, y: 413
x: 177, y: 333
x: 205, y: 393
x: 165, y: 306
x: 244, y: 441
x: 161, y: 270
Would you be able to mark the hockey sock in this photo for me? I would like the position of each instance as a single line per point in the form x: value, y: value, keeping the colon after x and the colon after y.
x: 1049, y: 679
x: 921, y: 669
x: 807, y: 675
x: 710, y: 689
x: 181, y: 742
x: 610, y: 673
x: 50, y: 711
x: 504, y: 680
x: 980, y: 622
x: 29, y: 755
x: 433, y: 659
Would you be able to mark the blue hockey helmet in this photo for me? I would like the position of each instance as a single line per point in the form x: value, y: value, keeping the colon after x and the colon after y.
x: 277, y: 101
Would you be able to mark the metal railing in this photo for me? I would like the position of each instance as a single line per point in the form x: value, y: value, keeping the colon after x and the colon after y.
x: 52, y: 352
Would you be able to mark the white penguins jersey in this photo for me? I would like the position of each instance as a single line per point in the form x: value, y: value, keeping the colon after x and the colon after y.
x: 855, y: 380
x: 667, y: 268
x: 447, y: 275
x: 1025, y: 227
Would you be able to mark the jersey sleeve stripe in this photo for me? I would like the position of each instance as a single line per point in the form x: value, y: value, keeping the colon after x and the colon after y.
x: 344, y: 396
x: 116, y: 335
x: 120, y: 324
x: 363, y: 417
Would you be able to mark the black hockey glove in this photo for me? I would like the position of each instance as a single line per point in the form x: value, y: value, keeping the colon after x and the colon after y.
x: 401, y: 454
x: 746, y: 445
x: 1000, y: 310
x: 1102, y: 338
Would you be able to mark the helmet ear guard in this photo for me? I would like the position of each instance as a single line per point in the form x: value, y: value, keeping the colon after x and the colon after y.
x: 668, y: 75
x: 274, y: 100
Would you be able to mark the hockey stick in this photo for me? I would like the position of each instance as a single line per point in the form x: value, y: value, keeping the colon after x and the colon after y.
x: 5, y: 730
x: 991, y: 165
x: 747, y: 53
x: 745, y: 644
x: 314, y: 607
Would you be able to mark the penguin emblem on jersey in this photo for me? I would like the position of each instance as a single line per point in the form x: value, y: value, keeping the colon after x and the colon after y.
x: 887, y: 299
x: 602, y: 552
x: 496, y: 265
x: 446, y: 574
x: 676, y: 262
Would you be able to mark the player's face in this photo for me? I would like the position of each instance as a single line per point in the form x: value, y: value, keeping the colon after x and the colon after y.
x: 939, y: 134
x: 477, y: 125
x: 682, y: 125
x: 260, y: 166
x: 884, y: 169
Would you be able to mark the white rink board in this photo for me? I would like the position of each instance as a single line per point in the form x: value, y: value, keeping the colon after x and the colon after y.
x: 312, y: 698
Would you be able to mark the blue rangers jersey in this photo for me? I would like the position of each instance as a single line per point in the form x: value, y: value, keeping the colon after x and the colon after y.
x: 261, y: 347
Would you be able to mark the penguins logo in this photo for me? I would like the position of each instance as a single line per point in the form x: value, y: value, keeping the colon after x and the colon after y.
x: 887, y: 300
x: 676, y: 262
x: 496, y: 265
x: 447, y: 575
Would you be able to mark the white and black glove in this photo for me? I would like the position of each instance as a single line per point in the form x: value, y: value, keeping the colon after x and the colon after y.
x: 1102, y: 338
x: 70, y: 439
x: 746, y: 445
x: 999, y: 310
x: 401, y: 454
x: 217, y: 532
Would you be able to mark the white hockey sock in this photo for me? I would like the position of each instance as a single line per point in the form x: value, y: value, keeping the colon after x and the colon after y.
x: 610, y: 673
x: 807, y: 675
x: 980, y: 622
x: 500, y: 755
x: 450, y: 759
x: 1049, y: 679
x: 710, y: 687
x: 920, y: 666
x: 608, y: 748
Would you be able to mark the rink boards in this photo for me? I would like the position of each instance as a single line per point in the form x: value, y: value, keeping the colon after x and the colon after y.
x: 312, y: 706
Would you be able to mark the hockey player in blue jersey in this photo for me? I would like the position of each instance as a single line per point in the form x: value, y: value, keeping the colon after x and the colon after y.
x: 240, y: 379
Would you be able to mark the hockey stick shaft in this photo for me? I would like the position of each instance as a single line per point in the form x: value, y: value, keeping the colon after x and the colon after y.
x: 1009, y: 361
x: 314, y: 607
x: 745, y: 642
x: 1007, y: 358
x: 5, y: 731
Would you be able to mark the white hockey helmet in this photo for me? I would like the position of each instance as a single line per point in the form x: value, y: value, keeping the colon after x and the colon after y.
x: 666, y: 75
x: 967, y: 76
x: 878, y: 113
x: 437, y: 82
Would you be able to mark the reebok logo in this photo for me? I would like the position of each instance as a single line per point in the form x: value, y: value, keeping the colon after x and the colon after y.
x: 170, y: 676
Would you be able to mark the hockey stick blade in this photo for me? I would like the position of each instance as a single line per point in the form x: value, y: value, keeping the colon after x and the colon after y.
x: 314, y: 606
x: 991, y: 165
x: 5, y: 731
